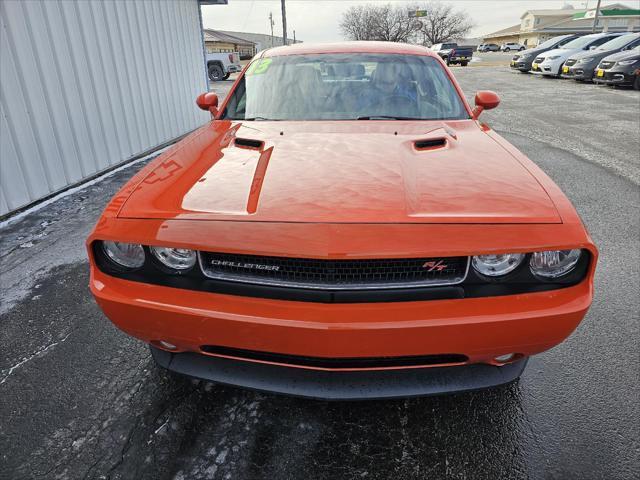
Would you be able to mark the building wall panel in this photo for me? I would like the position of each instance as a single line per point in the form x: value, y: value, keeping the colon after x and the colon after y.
x: 87, y: 85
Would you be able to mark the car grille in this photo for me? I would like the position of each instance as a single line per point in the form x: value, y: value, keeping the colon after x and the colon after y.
x: 606, y: 65
x: 334, y: 274
x: 570, y: 62
x: 539, y: 60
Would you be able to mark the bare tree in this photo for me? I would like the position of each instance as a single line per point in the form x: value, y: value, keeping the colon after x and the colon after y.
x: 378, y: 22
x: 441, y: 23
x: 438, y: 23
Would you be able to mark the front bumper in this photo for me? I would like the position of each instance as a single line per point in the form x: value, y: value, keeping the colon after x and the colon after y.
x: 615, y: 78
x: 478, y: 328
x: 578, y: 73
x: 523, y: 66
x: 338, y: 385
x: 234, y: 68
x: 546, y: 70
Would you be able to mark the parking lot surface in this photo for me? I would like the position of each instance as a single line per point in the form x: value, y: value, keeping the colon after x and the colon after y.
x: 80, y: 399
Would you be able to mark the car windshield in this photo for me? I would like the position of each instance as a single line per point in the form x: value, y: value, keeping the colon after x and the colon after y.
x: 345, y: 87
x: 550, y: 43
x: 580, y: 42
x: 617, y: 42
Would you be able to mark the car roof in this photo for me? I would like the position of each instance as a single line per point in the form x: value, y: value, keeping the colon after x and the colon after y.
x: 348, y: 47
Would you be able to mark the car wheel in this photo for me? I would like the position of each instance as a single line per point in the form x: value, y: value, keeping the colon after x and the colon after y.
x: 636, y: 83
x: 464, y: 64
x: 521, y: 48
x: 507, y: 49
x: 446, y: 60
x: 215, y: 73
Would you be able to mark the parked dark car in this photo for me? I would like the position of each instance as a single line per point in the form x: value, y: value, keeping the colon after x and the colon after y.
x: 488, y: 47
x: 451, y: 53
x: 621, y: 68
x: 582, y: 66
x: 522, y: 61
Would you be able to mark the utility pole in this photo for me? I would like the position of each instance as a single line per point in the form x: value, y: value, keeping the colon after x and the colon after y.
x: 294, y: 36
x: 284, y: 23
x: 595, y: 17
x: 271, y: 25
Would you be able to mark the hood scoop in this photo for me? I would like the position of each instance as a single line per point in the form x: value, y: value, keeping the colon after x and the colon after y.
x: 430, y: 144
x: 249, y: 143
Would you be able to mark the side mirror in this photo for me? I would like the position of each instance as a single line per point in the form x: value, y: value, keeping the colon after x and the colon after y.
x: 208, y: 102
x: 485, y: 100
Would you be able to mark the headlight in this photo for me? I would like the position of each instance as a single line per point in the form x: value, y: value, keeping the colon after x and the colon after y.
x: 628, y: 62
x: 586, y: 60
x: 497, y: 265
x: 127, y: 255
x: 554, y: 263
x: 555, y: 57
x: 180, y: 259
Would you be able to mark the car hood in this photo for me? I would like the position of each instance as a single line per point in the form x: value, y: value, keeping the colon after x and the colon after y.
x: 625, y: 55
x: 341, y: 172
x: 562, y: 52
x: 595, y: 54
x: 532, y: 51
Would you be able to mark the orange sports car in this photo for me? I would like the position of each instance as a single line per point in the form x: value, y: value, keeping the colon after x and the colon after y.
x: 343, y: 228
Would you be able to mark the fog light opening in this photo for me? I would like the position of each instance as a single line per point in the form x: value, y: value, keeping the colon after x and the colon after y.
x: 166, y: 345
x: 505, y: 358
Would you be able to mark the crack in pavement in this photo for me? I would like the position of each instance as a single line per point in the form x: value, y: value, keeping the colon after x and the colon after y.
x: 37, y: 354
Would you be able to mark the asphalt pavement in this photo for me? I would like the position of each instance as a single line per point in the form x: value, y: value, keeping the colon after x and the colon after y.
x: 80, y: 399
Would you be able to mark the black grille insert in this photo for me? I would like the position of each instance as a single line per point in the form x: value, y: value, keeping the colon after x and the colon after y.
x: 337, y: 363
x: 335, y: 274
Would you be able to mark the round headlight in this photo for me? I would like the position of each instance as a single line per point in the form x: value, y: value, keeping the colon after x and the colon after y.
x: 175, y: 258
x: 554, y: 263
x: 497, y: 265
x: 127, y: 255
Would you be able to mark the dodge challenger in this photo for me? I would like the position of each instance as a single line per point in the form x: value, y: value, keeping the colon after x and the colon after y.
x: 344, y: 227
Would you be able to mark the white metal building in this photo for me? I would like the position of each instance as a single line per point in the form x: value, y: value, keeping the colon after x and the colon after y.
x: 87, y: 85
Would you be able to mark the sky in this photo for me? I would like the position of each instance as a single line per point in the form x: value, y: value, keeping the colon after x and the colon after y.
x: 318, y: 20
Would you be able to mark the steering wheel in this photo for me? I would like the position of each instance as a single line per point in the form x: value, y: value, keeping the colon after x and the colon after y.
x: 398, y: 105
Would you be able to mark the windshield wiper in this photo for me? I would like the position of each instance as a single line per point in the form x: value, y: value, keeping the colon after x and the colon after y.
x: 386, y: 117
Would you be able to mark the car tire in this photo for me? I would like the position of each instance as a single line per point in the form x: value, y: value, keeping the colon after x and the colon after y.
x: 507, y: 49
x: 215, y: 73
x: 521, y: 49
x: 464, y: 64
x: 636, y: 83
x: 446, y: 60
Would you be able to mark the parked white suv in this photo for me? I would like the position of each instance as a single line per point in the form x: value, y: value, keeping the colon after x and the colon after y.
x: 507, y: 47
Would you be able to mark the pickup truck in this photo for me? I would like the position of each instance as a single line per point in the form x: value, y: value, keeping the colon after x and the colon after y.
x: 221, y: 65
x: 452, y: 53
